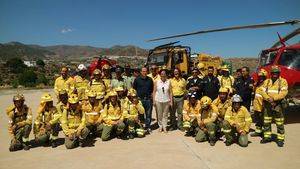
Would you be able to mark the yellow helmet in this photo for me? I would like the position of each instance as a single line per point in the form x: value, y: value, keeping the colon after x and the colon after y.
x: 73, y: 99
x: 223, y: 90
x: 18, y: 97
x: 119, y: 89
x: 106, y: 66
x: 96, y: 72
x: 225, y: 68
x: 100, y: 95
x: 112, y: 93
x: 200, y: 65
x: 46, y: 97
x: 205, y: 101
x: 262, y: 72
x: 132, y: 92
x: 91, y: 93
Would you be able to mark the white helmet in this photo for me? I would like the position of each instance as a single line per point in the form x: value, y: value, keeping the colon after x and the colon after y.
x: 81, y: 67
x: 237, y: 98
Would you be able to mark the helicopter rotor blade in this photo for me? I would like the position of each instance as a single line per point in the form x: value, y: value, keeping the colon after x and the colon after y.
x: 255, y: 26
x: 287, y: 37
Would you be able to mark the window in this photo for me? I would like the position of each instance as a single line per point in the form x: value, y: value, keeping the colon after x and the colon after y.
x: 290, y: 58
x: 267, y: 58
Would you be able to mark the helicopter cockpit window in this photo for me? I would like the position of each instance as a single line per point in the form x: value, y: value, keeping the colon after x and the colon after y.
x: 158, y: 59
x: 178, y: 57
x: 290, y: 59
x: 267, y: 58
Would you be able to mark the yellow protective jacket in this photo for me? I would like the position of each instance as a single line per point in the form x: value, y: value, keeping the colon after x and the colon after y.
x: 242, y: 118
x: 19, y: 118
x: 190, y: 113
x: 72, y: 121
x: 178, y: 86
x: 112, y: 113
x: 210, y: 115
x: 222, y: 107
x: 81, y: 85
x: 63, y: 84
x: 107, y: 82
x: 97, y: 86
x: 277, y: 90
x: 258, y: 99
x: 43, y: 117
x: 133, y: 110
x: 92, y: 114
x: 60, y: 107
x: 226, y: 82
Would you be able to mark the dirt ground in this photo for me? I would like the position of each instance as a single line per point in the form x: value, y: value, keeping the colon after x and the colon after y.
x: 172, y: 150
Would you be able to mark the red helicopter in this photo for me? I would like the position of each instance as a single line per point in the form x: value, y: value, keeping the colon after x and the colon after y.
x: 287, y: 57
x: 98, y: 62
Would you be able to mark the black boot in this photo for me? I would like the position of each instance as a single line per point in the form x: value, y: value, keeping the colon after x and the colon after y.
x: 26, y: 146
x: 53, y: 144
x: 280, y: 143
x: 265, y: 140
x: 255, y: 134
x: 212, y: 143
x: 228, y: 143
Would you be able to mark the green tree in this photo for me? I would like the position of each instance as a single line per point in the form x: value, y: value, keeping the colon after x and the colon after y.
x: 16, y: 65
x: 41, y: 79
x: 28, y: 78
x: 40, y: 63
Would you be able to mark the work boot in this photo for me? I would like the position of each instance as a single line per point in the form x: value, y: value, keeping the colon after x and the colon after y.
x: 26, y: 146
x: 255, y: 134
x: 227, y: 143
x: 280, y: 143
x: 265, y: 140
x: 212, y: 143
x: 131, y: 136
x: 53, y: 144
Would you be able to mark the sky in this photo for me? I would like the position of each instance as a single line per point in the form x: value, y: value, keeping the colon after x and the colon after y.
x: 132, y: 22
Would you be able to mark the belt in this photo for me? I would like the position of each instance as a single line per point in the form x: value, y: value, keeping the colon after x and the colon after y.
x: 178, y: 96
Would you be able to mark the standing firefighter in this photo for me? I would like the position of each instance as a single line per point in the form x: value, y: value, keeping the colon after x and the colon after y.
x: 73, y: 123
x: 64, y: 82
x: 20, y: 120
x: 112, y: 117
x: 275, y: 90
x: 134, y: 108
x: 237, y: 122
x: 80, y: 82
x: 226, y: 80
x: 97, y: 84
x: 258, y: 103
x: 46, y: 125
x: 92, y: 109
x: 208, y: 115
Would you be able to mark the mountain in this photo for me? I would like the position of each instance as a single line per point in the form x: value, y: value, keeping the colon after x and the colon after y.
x: 33, y: 52
x: 17, y: 49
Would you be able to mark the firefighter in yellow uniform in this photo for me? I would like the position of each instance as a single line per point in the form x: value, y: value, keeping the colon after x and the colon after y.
x: 106, y: 77
x: 154, y: 73
x: 97, y: 84
x: 134, y: 109
x: 226, y: 80
x: 202, y: 70
x: 275, y: 90
x: 191, y: 109
x: 112, y: 117
x: 222, y: 102
x: 19, y: 124
x: 73, y: 123
x: 207, y: 117
x: 237, y: 123
x: 46, y: 125
x: 64, y: 82
x: 258, y: 103
x: 92, y: 110
x: 80, y: 82
x: 121, y: 95
x: 63, y: 101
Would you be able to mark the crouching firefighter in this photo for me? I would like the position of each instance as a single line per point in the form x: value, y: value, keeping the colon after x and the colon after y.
x: 20, y: 121
x: 134, y: 109
x: 237, y: 123
x: 46, y: 125
x: 73, y: 123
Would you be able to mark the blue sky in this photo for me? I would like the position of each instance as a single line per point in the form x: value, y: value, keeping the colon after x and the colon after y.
x: 124, y: 22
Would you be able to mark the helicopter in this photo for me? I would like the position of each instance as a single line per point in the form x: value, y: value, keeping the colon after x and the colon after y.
x: 287, y: 57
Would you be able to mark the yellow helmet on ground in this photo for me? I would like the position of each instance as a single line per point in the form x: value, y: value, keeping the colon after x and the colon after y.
x: 96, y: 72
x: 112, y: 93
x: 200, y: 65
x: 205, y: 101
x: 119, y: 89
x: 262, y: 72
x: 46, y: 97
x: 73, y: 99
x: 223, y: 90
x: 132, y: 92
x: 18, y: 97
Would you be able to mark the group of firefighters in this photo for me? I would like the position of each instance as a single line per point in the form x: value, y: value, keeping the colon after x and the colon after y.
x: 207, y: 106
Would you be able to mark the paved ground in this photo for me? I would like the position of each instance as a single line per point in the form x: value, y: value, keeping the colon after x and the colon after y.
x: 157, y: 150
